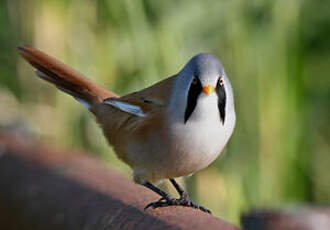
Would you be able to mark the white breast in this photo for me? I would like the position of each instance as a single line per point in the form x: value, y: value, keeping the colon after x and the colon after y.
x: 196, y: 143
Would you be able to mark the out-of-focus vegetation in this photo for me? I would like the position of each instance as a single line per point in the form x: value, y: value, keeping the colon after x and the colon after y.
x: 276, y: 53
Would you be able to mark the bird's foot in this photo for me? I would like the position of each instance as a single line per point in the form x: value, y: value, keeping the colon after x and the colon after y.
x: 184, y: 200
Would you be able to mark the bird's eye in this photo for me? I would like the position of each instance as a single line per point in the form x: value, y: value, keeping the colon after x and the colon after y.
x: 221, y: 81
x: 194, y: 81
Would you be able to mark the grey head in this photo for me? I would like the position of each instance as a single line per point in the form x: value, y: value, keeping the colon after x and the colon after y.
x: 206, y: 67
x: 202, y: 76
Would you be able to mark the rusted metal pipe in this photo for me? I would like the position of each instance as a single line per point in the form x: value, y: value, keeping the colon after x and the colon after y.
x: 41, y: 188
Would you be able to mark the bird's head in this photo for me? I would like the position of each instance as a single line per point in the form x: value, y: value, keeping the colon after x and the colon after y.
x: 202, y: 78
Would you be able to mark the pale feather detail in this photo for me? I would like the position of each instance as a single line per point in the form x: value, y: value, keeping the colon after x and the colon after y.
x: 80, y: 100
x: 83, y: 102
x: 125, y: 107
x: 42, y: 75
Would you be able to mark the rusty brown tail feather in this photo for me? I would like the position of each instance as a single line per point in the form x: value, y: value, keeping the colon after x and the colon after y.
x: 65, y: 78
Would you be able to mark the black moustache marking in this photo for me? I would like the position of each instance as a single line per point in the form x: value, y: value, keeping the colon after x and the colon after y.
x: 220, y: 90
x: 193, y: 93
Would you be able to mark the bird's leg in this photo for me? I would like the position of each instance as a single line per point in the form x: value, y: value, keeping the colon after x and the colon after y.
x: 163, y: 201
x: 160, y: 192
x: 178, y: 187
x: 167, y: 200
x: 184, y: 199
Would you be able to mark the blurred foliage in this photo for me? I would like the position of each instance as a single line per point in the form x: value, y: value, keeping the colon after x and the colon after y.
x: 277, y: 54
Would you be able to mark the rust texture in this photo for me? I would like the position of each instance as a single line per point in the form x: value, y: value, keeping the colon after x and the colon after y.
x: 41, y: 188
x: 293, y: 218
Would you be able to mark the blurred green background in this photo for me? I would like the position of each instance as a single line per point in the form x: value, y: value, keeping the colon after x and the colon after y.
x: 276, y: 53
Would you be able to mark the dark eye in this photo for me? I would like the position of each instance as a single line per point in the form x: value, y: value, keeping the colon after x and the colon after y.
x: 194, y: 81
x: 221, y: 81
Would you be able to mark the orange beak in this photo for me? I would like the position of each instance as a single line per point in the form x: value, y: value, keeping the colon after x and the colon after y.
x: 208, y: 89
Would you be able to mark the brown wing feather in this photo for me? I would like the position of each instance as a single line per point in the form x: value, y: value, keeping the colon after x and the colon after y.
x: 152, y: 98
x: 64, y: 77
x: 121, y: 127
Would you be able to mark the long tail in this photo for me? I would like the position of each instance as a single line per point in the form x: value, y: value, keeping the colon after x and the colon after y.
x: 65, y: 78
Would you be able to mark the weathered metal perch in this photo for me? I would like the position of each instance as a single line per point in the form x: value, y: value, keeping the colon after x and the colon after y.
x: 44, y: 189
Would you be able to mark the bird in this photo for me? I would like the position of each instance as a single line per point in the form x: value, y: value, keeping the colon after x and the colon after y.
x: 170, y: 129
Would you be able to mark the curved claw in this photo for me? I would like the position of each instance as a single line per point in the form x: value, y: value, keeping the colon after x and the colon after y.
x: 205, y: 210
x: 183, y: 201
x: 194, y: 205
x: 162, y: 199
x: 157, y: 204
x: 148, y: 206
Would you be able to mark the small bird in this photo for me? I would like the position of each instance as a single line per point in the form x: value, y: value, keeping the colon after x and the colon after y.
x: 173, y: 128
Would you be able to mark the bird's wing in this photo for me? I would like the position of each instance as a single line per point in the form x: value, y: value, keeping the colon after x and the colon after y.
x: 146, y: 101
x: 135, y: 116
